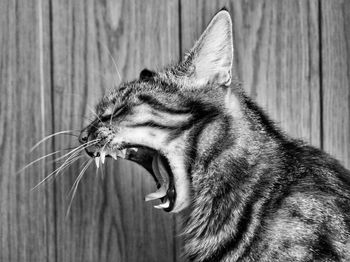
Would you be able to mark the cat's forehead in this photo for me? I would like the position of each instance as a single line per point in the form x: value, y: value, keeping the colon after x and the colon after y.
x: 128, y: 92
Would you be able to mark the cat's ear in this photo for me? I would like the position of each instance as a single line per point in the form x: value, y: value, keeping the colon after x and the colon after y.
x: 211, y: 58
x: 146, y: 74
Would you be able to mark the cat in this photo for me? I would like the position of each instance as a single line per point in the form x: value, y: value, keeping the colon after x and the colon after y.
x: 247, y: 191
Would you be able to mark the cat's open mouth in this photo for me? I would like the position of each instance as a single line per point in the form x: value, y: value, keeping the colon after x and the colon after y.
x: 156, y: 164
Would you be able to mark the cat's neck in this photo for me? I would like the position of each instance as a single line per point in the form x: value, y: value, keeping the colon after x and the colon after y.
x: 231, y: 160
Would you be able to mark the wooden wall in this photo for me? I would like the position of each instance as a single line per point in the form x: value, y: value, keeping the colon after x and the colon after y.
x: 293, y: 57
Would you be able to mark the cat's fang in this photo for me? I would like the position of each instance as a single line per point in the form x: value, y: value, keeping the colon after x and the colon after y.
x: 103, y: 157
x: 97, y: 162
x: 114, y: 155
x: 161, y: 192
x: 163, y: 205
x: 122, y: 153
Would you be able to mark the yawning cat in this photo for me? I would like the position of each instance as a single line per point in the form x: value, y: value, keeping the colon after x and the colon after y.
x: 251, y: 192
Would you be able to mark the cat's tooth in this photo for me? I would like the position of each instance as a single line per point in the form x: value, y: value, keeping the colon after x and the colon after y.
x: 114, y: 155
x: 135, y: 149
x: 97, y: 162
x: 122, y: 153
x: 163, y: 205
x: 161, y: 192
x: 103, y: 157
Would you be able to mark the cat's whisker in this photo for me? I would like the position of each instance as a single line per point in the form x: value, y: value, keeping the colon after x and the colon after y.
x: 65, y: 132
x: 77, y: 150
x: 69, y: 161
x: 94, y: 113
x: 37, y: 160
x: 76, y: 183
x: 81, y: 148
x: 113, y: 60
x: 43, y: 157
x: 52, y: 174
x: 58, y: 170
x: 77, y: 178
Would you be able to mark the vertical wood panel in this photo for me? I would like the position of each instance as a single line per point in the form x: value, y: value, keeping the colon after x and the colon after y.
x: 109, y: 220
x: 336, y: 78
x: 27, y: 227
x: 276, y: 57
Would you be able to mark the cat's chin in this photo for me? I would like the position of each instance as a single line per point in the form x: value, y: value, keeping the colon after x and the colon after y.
x: 156, y: 164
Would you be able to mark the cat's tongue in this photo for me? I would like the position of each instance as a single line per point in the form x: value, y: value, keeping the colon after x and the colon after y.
x: 163, y: 179
x: 152, y: 162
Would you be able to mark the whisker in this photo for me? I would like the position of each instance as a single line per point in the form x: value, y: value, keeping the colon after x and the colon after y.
x: 43, y: 157
x: 52, y: 135
x: 76, y: 183
x: 69, y: 161
x: 94, y: 112
x: 82, y: 147
x: 37, y: 160
x: 66, y: 162
x: 52, y: 174
x: 113, y: 60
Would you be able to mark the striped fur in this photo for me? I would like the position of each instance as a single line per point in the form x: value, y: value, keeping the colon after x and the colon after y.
x: 248, y: 192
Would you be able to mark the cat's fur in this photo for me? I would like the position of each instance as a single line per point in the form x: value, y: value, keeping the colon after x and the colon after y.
x: 251, y: 193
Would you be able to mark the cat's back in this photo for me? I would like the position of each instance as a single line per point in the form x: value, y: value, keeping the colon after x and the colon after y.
x: 310, y: 220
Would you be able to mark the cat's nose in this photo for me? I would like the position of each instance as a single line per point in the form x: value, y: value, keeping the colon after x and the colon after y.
x: 83, y: 137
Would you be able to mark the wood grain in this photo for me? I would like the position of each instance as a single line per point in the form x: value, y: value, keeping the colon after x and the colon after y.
x: 336, y: 78
x: 55, y: 64
x: 27, y: 228
x: 109, y: 220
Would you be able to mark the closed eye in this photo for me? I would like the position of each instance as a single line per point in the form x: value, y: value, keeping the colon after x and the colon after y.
x: 116, y: 113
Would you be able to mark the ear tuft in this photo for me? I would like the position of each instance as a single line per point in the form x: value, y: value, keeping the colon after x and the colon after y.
x: 212, y: 55
x: 146, y: 74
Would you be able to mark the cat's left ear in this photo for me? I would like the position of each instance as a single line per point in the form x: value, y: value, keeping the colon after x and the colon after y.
x: 211, y: 58
x: 146, y: 74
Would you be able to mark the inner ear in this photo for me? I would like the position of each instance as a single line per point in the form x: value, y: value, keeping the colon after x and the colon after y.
x: 146, y: 74
x: 212, y: 55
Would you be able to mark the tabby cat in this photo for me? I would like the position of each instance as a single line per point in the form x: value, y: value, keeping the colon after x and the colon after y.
x: 249, y: 192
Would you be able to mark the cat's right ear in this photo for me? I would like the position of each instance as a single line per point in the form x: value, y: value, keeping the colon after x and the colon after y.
x: 146, y: 74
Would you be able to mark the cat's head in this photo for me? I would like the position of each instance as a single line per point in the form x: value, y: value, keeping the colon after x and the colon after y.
x: 156, y: 119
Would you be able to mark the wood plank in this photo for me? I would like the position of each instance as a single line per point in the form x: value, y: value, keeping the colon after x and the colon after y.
x: 108, y: 220
x: 276, y: 56
x: 336, y: 78
x: 27, y: 224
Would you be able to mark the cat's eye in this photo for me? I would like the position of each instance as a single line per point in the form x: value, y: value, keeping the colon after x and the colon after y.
x: 118, y: 111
